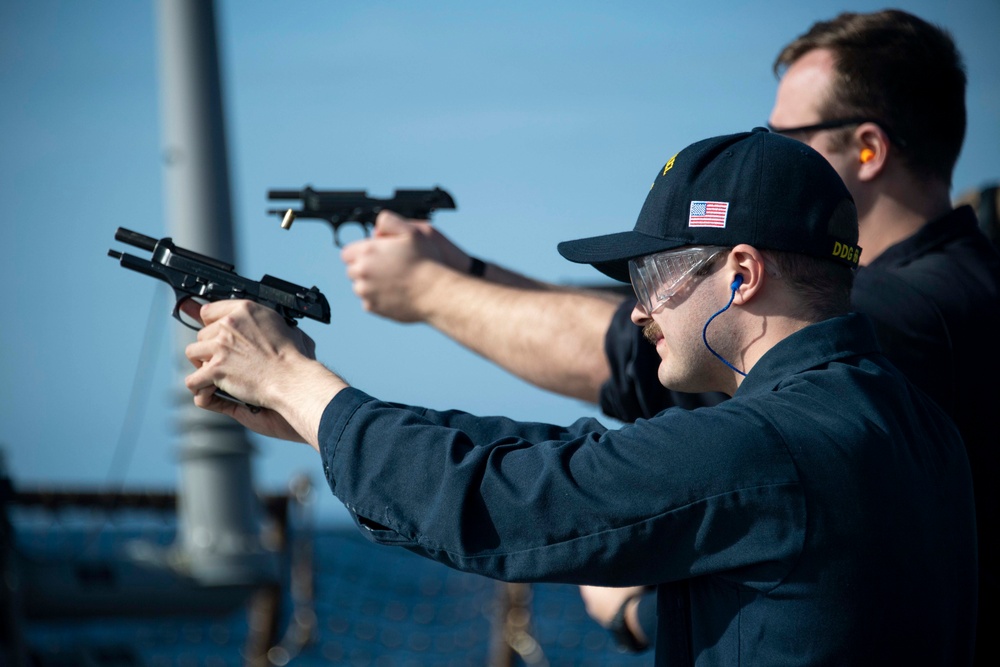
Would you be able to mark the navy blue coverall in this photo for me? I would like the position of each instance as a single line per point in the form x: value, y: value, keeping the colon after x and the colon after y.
x: 822, y: 515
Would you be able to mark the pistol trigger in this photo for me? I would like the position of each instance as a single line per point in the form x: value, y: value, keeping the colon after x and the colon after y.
x: 177, y: 314
x: 177, y: 308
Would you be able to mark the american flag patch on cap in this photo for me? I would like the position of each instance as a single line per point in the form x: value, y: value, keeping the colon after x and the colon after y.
x: 708, y: 214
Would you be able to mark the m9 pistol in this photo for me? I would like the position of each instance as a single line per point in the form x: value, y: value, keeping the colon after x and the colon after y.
x: 197, y: 277
x: 339, y: 207
x: 203, y: 279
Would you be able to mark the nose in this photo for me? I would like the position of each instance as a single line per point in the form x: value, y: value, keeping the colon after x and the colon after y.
x: 639, y: 315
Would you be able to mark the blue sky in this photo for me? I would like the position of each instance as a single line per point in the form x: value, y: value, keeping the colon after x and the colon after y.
x: 545, y: 121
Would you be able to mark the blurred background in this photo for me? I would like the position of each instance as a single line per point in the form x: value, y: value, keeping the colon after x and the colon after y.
x: 546, y: 121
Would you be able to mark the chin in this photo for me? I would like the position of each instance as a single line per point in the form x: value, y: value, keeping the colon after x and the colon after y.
x: 673, y: 381
x: 688, y: 382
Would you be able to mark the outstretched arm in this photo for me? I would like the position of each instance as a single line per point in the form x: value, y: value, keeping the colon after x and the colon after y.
x: 549, y: 335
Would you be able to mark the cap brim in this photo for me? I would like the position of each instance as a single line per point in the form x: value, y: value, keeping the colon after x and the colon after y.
x: 610, y: 253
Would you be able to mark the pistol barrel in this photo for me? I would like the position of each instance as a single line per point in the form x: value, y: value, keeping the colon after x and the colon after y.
x: 135, y: 239
x: 286, y: 194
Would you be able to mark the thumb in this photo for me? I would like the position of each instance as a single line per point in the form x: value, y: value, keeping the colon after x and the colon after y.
x: 389, y: 223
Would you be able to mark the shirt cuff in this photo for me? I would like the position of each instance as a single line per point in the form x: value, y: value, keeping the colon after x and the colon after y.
x: 336, y: 416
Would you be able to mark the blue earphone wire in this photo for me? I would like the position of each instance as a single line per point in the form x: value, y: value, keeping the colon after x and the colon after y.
x: 704, y: 332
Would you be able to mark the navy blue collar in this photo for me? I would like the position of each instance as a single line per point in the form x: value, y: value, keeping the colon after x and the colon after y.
x: 816, y: 345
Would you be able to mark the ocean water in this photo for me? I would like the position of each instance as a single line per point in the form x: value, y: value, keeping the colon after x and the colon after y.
x: 342, y: 601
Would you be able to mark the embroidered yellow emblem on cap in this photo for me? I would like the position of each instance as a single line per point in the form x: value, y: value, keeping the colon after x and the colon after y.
x: 670, y: 164
x: 846, y: 252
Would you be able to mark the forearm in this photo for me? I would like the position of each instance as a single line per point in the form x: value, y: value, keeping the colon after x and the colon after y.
x: 300, y: 394
x: 548, y: 335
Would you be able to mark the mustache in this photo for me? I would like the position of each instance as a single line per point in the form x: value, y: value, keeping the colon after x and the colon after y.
x: 652, y: 333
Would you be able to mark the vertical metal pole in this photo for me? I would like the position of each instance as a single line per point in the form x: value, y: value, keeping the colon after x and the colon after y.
x: 219, y: 514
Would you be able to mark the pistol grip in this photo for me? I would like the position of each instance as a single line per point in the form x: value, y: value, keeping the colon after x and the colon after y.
x: 221, y: 394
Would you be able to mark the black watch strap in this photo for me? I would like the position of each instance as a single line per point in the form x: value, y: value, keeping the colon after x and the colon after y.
x: 477, y: 267
x: 624, y: 639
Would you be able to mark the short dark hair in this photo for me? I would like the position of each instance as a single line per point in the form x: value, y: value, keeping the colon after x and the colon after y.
x: 823, y: 287
x: 898, y: 69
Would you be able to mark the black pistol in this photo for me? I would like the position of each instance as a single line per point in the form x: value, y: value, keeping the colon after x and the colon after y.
x: 339, y: 207
x: 203, y: 279
x: 196, y: 276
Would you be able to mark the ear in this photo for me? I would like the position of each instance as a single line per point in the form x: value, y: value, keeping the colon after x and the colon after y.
x: 745, y: 273
x: 873, y: 148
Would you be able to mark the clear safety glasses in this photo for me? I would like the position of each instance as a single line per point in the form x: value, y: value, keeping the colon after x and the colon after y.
x: 658, y: 277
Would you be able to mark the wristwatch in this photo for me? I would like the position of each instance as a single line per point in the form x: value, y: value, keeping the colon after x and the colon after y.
x: 477, y: 267
x: 624, y: 639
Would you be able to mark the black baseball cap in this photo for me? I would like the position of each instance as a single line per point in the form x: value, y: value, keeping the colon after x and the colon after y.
x: 757, y: 187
